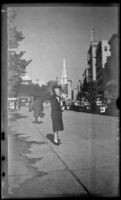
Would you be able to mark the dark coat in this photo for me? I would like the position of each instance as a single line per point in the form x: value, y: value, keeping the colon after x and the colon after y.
x: 56, y: 114
x: 30, y: 106
x: 37, y: 107
x: 31, y: 103
x: 19, y: 103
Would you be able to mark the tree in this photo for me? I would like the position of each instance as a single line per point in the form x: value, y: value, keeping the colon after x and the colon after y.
x: 34, y: 90
x: 14, y: 37
x: 16, y: 65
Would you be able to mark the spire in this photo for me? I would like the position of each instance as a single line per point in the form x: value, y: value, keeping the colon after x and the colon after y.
x: 64, y: 73
x: 64, y: 67
x: 92, y: 35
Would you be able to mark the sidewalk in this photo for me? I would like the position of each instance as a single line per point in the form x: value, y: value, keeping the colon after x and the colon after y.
x: 37, y: 168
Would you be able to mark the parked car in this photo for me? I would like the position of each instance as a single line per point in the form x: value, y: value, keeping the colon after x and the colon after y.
x: 77, y: 106
x: 100, y: 106
x: 112, y: 108
x: 87, y: 106
x: 68, y: 104
x: 24, y: 101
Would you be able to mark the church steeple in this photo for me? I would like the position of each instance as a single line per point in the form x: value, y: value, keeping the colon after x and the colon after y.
x: 64, y: 73
x: 93, y: 34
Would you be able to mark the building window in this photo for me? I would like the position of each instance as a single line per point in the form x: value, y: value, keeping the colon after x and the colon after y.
x: 99, y: 82
x: 99, y: 75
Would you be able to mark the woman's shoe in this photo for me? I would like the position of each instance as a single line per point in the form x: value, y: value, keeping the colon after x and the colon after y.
x: 59, y: 141
x: 56, y: 143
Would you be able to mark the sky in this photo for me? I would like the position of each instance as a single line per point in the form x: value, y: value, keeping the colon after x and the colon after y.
x: 56, y: 32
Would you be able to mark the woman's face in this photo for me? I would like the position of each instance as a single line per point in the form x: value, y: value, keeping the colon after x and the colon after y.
x: 57, y: 91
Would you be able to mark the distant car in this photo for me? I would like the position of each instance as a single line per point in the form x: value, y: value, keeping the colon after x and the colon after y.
x: 24, y: 101
x: 77, y: 106
x: 112, y: 108
x: 86, y: 106
x: 100, y: 106
x: 68, y: 104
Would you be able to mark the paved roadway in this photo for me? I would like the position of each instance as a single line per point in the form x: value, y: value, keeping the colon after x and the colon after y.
x: 86, y: 163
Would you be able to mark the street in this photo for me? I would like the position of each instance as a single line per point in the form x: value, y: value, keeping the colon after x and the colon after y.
x: 85, y: 163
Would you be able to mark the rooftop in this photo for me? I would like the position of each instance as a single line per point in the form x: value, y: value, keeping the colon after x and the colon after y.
x: 26, y: 78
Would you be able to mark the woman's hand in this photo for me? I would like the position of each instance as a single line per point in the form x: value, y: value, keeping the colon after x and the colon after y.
x: 63, y: 108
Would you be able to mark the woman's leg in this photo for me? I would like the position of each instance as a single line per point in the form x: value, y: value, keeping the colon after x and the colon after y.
x: 39, y: 119
x: 56, y: 136
x: 35, y: 118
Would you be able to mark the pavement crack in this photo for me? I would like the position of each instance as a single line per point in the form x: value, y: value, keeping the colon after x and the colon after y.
x: 66, y: 166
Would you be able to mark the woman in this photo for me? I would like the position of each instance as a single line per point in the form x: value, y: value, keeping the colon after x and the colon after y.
x: 56, y: 113
x: 30, y: 105
x: 19, y: 103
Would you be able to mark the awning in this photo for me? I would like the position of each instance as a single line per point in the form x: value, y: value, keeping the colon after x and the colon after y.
x: 12, y: 98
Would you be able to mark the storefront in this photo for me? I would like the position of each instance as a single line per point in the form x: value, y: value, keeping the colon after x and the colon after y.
x: 12, y: 103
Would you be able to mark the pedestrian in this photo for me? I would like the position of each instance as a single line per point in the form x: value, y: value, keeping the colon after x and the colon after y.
x: 37, y: 108
x: 30, y: 105
x: 56, y: 113
x: 19, y: 103
x: 15, y: 104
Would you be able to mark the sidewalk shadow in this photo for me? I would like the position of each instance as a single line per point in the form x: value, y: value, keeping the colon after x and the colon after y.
x: 36, y: 122
x: 42, y: 115
x: 16, y: 116
x: 50, y: 137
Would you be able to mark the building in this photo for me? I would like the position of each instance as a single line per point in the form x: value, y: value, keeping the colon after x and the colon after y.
x: 89, y: 76
x: 69, y: 89
x: 91, y: 58
x: 79, y: 90
x: 79, y: 86
x: 26, y: 80
x: 89, y: 85
x: 103, y: 51
x: 92, y: 61
x: 64, y: 81
x: 57, y: 79
x: 85, y: 80
x: 39, y: 82
x: 85, y: 76
x: 64, y: 78
x: 75, y: 92
x: 112, y: 69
